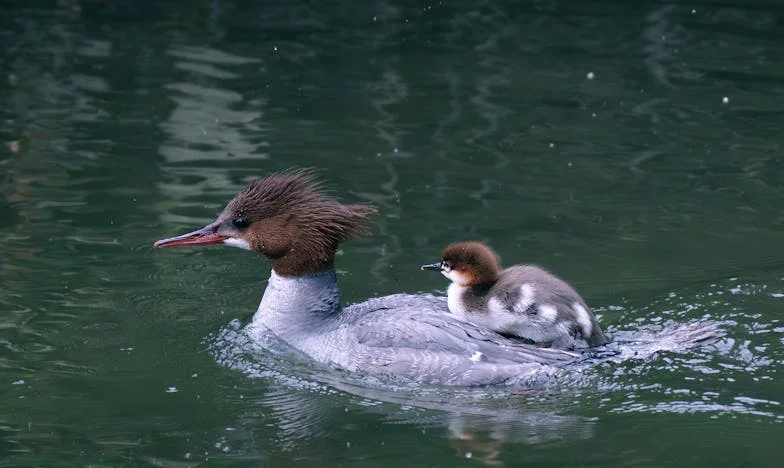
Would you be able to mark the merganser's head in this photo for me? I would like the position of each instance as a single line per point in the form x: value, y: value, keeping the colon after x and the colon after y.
x: 467, y: 264
x: 288, y: 217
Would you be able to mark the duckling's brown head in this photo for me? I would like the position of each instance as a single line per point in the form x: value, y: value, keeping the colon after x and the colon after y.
x: 468, y: 264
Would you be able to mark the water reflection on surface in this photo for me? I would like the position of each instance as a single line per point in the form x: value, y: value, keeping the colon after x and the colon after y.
x: 482, y: 421
x: 231, y: 126
x: 305, y: 405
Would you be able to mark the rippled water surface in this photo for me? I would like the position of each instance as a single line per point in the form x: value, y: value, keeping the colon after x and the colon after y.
x: 633, y: 148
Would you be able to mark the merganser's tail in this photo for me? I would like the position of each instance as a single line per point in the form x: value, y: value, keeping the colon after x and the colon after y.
x: 672, y: 338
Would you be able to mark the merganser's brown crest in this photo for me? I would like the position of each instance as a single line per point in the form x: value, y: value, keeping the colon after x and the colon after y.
x: 473, y: 259
x: 289, y: 218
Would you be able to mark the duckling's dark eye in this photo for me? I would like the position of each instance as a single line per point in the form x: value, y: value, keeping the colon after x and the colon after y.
x: 446, y: 265
x: 240, y: 222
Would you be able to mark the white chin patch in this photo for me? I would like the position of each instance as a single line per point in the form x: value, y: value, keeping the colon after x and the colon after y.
x: 234, y: 242
x: 457, y: 277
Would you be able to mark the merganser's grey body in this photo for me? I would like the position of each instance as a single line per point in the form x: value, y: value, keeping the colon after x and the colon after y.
x: 404, y: 336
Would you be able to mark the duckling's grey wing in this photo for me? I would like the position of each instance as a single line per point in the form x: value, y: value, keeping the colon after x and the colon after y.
x: 546, y: 292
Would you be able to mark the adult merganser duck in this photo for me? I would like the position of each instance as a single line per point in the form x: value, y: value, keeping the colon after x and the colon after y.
x: 289, y: 218
x: 524, y: 301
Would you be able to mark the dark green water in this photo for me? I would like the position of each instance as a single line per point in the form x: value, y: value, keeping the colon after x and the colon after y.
x: 662, y: 201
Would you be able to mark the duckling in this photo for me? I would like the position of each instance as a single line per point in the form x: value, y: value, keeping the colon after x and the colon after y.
x: 522, y: 301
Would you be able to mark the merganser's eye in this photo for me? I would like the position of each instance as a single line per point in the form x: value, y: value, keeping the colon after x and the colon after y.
x: 240, y: 222
x: 445, y: 265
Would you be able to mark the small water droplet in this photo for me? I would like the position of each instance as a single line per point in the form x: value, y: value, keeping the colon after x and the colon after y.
x: 590, y: 75
x: 725, y: 100
x: 172, y: 390
x: 551, y: 145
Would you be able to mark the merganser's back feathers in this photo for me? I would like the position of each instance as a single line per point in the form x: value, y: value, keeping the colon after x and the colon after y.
x: 291, y: 220
x: 441, y: 350
x: 443, y: 334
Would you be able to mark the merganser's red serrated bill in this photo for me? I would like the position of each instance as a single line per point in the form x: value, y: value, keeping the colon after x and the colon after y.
x: 205, y: 236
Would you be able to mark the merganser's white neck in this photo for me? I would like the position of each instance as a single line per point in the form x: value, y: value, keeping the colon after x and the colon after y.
x: 298, y: 304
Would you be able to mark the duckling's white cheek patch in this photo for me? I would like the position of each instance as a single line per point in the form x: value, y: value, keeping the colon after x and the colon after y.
x: 234, y: 242
x: 457, y: 277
